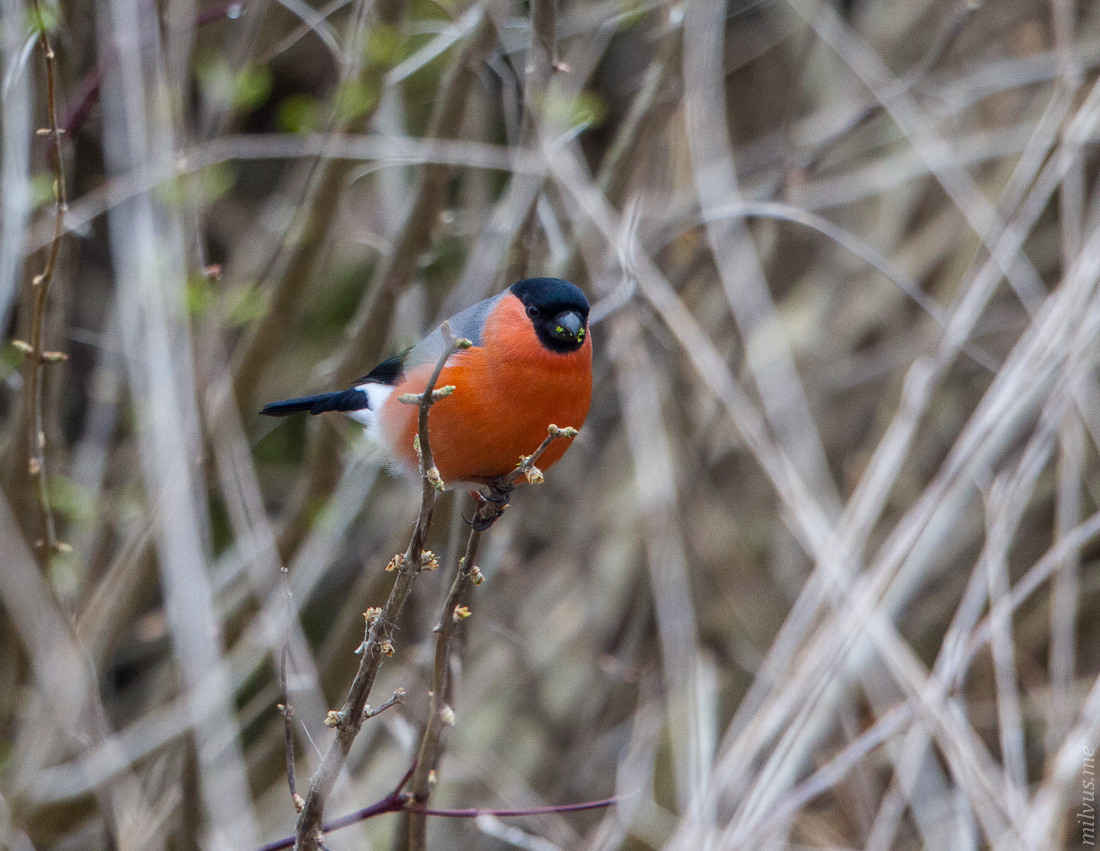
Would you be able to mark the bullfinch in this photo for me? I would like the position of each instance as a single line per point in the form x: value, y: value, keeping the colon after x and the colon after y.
x: 530, y: 366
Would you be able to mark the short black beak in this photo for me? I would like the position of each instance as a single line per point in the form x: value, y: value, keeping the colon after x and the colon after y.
x: 568, y: 325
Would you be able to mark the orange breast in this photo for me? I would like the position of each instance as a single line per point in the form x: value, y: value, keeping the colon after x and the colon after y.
x: 507, y: 391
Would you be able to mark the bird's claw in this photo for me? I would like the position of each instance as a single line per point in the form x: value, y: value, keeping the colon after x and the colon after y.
x: 491, y: 503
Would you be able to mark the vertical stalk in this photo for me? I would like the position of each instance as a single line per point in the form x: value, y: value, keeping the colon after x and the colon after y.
x: 37, y: 356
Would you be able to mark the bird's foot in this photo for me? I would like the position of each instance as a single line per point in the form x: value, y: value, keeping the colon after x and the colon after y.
x: 491, y: 503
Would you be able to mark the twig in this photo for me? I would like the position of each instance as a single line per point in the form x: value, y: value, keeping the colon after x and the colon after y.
x: 47, y: 544
x: 440, y: 714
x: 397, y: 697
x: 377, y: 645
x: 285, y: 707
x: 472, y: 812
x: 491, y: 505
x: 397, y: 801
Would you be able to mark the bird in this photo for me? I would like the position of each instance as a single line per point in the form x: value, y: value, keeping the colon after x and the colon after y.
x: 529, y: 366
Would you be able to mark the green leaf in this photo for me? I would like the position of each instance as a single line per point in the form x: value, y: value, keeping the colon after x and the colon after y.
x: 246, y: 88
x: 200, y: 295
x: 47, y: 19
x: 253, y: 87
x: 585, y: 109
x: 68, y: 499
x: 353, y: 99
x: 301, y: 114
x: 385, y: 46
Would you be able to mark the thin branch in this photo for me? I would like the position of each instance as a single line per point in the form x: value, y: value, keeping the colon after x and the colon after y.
x: 440, y: 715
x: 491, y: 504
x: 398, y: 801
x: 398, y: 697
x: 47, y: 544
x: 538, y: 70
x: 285, y: 707
x: 377, y: 644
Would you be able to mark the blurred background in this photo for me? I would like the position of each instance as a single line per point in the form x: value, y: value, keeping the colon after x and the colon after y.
x: 821, y: 570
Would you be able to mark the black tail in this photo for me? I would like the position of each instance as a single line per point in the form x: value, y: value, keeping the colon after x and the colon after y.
x: 341, y: 400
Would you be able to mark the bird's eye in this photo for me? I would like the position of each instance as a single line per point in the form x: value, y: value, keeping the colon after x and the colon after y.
x: 533, y: 311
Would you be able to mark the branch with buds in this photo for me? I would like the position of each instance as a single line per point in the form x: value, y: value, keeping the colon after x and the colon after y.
x: 378, y: 643
x: 37, y: 355
x: 491, y: 506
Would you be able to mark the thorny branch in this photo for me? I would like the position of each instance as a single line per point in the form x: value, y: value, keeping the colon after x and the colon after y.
x: 377, y: 644
x: 37, y: 356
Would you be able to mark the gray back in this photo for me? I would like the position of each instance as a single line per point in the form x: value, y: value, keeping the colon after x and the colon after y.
x: 466, y: 323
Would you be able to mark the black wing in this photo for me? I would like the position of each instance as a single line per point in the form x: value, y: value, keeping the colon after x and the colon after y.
x: 388, y: 372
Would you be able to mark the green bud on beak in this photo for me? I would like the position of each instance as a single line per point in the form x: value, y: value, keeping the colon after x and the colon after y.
x: 568, y: 326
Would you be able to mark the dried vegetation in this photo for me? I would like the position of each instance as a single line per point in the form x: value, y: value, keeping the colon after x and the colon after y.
x: 821, y: 569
